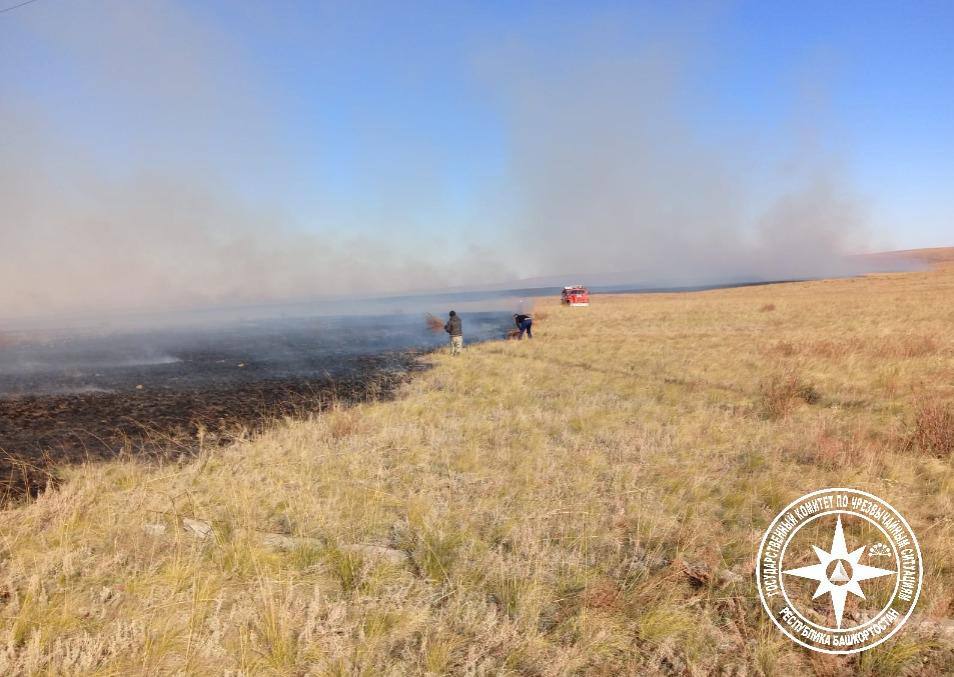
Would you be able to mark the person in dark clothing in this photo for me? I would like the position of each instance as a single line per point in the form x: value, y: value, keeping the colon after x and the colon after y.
x: 456, y: 331
x: 524, y: 324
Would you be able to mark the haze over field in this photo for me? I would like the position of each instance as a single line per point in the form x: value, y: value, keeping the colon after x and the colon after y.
x: 167, y: 155
x: 589, y: 502
x: 238, y: 435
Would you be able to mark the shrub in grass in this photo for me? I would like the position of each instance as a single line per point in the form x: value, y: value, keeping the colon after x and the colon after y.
x: 932, y: 430
x: 780, y: 393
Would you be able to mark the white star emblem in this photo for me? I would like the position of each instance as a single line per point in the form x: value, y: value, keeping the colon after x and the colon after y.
x: 844, y: 577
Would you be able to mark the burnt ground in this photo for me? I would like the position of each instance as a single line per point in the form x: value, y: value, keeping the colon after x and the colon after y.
x: 71, y: 396
x: 39, y: 433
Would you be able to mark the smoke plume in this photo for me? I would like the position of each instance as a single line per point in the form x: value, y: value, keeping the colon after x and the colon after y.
x: 613, y: 179
x: 119, y: 187
x: 155, y: 175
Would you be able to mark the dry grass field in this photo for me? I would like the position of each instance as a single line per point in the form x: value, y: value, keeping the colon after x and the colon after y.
x: 589, y: 502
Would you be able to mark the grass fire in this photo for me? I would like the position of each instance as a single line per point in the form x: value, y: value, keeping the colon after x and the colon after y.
x: 548, y: 504
x: 477, y: 339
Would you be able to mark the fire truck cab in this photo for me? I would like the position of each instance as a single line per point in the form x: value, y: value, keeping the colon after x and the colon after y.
x: 575, y: 296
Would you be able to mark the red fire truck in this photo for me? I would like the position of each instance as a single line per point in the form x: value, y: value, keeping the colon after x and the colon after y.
x: 575, y: 296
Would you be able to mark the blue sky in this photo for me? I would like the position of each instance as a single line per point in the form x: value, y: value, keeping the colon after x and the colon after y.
x: 883, y: 73
x: 405, y: 122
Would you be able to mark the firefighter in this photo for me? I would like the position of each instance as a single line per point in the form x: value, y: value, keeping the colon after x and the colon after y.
x: 524, y: 324
x: 453, y: 327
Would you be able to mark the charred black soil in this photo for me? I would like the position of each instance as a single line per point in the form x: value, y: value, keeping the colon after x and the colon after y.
x: 87, y: 396
x: 39, y: 433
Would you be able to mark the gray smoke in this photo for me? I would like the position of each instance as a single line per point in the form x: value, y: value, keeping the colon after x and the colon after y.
x: 75, y: 239
x: 614, y: 180
x: 607, y: 177
x: 155, y: 216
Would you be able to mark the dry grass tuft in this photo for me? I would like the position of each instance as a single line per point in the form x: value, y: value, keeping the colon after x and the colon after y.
x: 832, y: 449
x: 907, y: 346
x: 779, y: 394
x: 767, y: 308
x: 341, y: 422
x: 932, y: 430
x: 891, y: 347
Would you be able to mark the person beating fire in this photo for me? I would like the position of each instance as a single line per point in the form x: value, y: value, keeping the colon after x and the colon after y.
x: 456, y: 331
x: 524, y: 324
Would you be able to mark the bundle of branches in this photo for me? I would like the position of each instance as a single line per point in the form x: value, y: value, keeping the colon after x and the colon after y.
x: 433, y: 323
x: 537, y: 315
